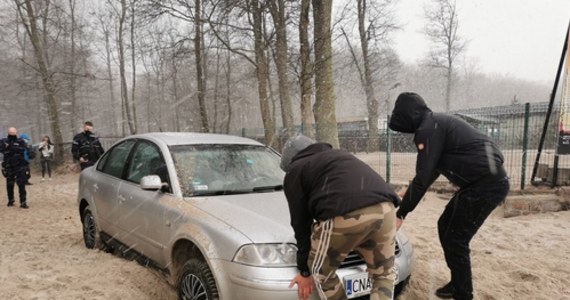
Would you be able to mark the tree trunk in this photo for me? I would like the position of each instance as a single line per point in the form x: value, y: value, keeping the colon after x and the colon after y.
x: 228, y: 90
x: 277, y: 8
x: 325, y: 99
x: 72, y: 58
x: 122, y: 69
x: 371, y: 102
x: 110, y: 75
x: 306, y: 77
x: 47, y: 80
x: 204, y: 127
x: 134, y: 69
x: 262, y: 72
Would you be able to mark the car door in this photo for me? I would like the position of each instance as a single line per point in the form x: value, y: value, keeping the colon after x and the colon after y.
x: 105, y: 189
x: 142, y: 211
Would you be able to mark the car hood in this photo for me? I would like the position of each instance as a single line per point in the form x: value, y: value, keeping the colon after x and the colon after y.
x: 261, y: 217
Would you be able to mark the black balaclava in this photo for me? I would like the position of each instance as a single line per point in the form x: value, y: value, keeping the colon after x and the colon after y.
x: 408, y: 113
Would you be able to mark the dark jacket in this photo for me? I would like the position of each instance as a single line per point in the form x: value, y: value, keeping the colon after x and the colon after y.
x: 322, y: 183
x: 86, y: 145
x: 13, y: 149
x: 446, y: 145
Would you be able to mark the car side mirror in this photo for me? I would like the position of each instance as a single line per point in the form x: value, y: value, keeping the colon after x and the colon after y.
x: 152, y: 183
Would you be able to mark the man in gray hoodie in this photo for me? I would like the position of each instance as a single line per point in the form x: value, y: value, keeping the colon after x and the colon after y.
x: 338, y: 204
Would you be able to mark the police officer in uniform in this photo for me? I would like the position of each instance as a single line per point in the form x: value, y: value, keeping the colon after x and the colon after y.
x: 14, y: 165
x: 86, y: 147
x: 451, y: 147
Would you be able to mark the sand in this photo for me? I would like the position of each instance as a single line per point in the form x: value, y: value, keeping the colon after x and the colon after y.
x: 42, y: 255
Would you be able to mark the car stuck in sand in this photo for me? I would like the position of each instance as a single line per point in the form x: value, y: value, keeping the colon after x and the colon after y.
x: 209, y: 211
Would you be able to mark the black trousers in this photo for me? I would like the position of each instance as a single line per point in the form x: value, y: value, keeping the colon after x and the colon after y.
x: 461, y: 219
x: 17, y: 176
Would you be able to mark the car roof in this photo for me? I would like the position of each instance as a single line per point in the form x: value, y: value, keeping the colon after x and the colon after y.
x: 193, y: 138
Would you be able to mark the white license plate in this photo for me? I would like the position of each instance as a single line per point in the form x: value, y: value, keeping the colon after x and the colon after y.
x: 357, y: 285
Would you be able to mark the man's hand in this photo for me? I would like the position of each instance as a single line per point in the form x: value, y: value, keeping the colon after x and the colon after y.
x: 83, y: 160
x: 304, y: 286
x: 401, y: 193
x: 399, y: 223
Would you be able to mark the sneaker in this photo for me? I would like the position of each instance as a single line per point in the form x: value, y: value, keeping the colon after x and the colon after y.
x: 24, y: 205
x: 43, y: 179
x: 445, y: 292
x: 49, y: 179
x: 10, y: 203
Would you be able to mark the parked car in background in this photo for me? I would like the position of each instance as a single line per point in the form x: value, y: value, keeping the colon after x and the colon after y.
x: 208, y: 210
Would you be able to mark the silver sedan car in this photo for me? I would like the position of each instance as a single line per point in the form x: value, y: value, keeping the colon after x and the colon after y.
x: 209, y: 211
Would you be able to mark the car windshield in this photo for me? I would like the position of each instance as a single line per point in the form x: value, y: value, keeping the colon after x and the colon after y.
x: 226, y: 169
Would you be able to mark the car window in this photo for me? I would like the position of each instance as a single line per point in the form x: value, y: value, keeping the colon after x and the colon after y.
x: 146, y: 160
x: 117, y: 158
x: 206, y: 169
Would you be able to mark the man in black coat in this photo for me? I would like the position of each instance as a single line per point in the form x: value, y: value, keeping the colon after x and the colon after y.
x: 86, y: 147
x: 469, y: 159
x: 338, y: 204
x: 14, y: 165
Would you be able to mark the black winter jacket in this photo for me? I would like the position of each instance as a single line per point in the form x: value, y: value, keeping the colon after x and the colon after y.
x: 86, y: 145
x: 323, y: 183
x: 13, y: 149
x: 446, y: 145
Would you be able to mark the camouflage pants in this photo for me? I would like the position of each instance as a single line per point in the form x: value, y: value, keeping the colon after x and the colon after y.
x: 370, y: 232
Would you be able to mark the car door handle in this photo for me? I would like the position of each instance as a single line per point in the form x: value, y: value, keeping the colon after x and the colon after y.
x: 121, y: 199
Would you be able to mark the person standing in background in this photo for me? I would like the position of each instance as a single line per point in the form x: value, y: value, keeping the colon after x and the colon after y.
x: 14, y: 165
x: 46, y: 150
x: 86, y: 148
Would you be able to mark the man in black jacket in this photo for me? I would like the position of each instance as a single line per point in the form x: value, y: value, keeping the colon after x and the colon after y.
x: 86, y: 147
x: 469, y: 159
x: 14, y: 165
x: 338, y: 204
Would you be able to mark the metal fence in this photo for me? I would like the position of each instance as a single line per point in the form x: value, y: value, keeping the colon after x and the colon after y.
x: 517, y: 130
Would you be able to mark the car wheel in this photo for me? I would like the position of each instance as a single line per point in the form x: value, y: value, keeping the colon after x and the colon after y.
x: 399, y: 288
x: 91, y: 235
x: 197, y: 282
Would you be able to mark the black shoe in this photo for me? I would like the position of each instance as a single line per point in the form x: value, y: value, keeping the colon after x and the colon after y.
x: 10, y: 203
x: 24, y: 205
x: 28, y: 183
x: 445, y: 292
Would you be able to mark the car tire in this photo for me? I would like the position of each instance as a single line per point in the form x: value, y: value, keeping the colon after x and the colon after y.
x: 399, y: 288
x: 91, y: 235
x: 196, y: 282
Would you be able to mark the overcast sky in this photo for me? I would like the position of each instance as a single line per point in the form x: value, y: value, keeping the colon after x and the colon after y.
x: 522, y: 38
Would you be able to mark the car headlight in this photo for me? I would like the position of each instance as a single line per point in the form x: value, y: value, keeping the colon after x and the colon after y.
x: 267, y: 255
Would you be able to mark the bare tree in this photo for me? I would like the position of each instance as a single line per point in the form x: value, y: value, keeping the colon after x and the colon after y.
x: 442, y: 28
x: 199, y: 53
x: 325, y: 100
x: 306, y: 76
x: 28, y: 16
x: 375, y: 21
x: 277, y: 9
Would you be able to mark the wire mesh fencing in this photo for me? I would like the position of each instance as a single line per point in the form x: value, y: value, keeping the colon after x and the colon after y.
x: 517, y: 129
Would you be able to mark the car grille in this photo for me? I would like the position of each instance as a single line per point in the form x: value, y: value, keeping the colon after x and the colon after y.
x: 354, y: 259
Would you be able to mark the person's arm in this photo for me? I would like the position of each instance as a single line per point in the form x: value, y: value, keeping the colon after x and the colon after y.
x: 430, y: 143
x: 75, y: 148
x: 301, y: 219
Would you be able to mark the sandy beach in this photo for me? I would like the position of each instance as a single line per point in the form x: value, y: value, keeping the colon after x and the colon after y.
x: 42, y: 255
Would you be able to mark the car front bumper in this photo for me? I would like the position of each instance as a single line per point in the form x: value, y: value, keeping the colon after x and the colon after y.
x: 239, y: 281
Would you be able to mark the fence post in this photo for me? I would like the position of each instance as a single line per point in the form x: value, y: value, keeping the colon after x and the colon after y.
x: 525, y: 143
x: 388, y: 149
x: 243, y: 132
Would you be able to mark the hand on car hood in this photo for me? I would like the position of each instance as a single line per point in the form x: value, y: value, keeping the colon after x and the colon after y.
x: 263, y: 218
